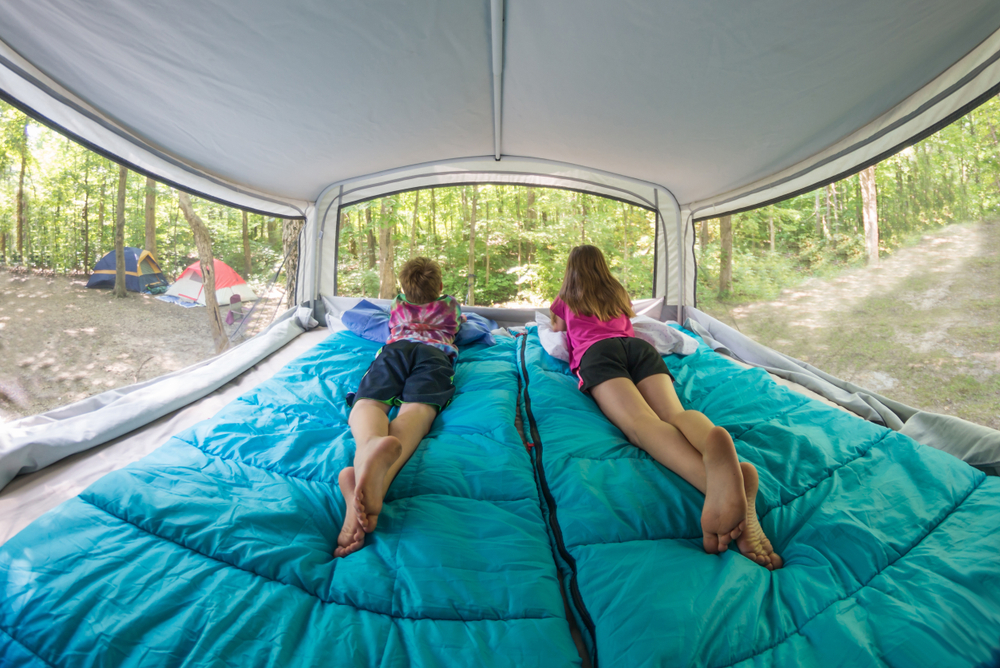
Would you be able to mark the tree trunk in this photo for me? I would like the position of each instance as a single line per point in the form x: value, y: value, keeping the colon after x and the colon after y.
x: 531, y: 218
x: 86, y: 217
x: 151, y: 216
x: 246, y: 245
x: 272, y: 229
x: 100, y: 216
x: 520, y: 225
x: 870, y: 205
x: 486, y: 278
x: 204, y: 243
x: 471, y: 301
x: 290, y: 230
x: 413, y: 225
x: 120, y: 234
x: 371, y: 238
x: 625, y: 244
x: 704, y: 234
x: 826, y: 214
x: 819, y: 221
x: 770, y: 227
x: 726, y: 255
x: 433, y: 215
x: 386, y: 253
x: 20, y: 193
x: 347, y: 230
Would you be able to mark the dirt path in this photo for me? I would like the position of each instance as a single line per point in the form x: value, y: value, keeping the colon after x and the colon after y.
x: 61, y: 342
x: 924, y: 328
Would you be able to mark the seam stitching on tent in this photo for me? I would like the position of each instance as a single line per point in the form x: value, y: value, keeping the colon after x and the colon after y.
x: 26, y: 648
x: 829, y: 474
x: 903, y: 554
x: 286, y: 584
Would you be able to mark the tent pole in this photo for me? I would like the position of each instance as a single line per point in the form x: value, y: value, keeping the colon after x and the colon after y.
x: 496, y: 20
x: 681, y: 229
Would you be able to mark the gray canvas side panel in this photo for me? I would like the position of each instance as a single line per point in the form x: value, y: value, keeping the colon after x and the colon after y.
x: 34, y: 442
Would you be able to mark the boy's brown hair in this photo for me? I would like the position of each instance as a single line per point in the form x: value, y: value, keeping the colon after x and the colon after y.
x: 420, y: 279
x: 589, y: 288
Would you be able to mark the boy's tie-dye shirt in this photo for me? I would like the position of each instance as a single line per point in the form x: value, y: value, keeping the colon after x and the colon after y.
x: 435, y: 323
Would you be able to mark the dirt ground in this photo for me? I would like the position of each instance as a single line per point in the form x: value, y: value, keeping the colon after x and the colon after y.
x: 923, y: 328
x: 61, y: 342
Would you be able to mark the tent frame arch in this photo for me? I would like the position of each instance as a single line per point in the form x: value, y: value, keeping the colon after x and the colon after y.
x: 318, y: 275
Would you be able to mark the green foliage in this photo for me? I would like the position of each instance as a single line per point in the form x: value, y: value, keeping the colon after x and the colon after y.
x: 70, y: 196
x: 952, y: 176
x: 522, y: 239
x: 523, y: 235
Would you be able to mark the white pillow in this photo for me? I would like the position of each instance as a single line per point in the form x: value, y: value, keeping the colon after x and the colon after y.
x: 663, y: 337
x: 660, y: 335
x: 553, y: 342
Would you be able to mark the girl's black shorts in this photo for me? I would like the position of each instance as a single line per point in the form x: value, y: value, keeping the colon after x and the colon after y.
x: 619, y: 357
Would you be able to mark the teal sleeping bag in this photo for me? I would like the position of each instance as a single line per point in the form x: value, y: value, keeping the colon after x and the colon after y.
x: 217, y: 549
x: 890, y: 548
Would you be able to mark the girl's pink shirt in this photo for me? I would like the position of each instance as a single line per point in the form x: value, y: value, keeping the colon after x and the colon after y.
x: 583, y: 331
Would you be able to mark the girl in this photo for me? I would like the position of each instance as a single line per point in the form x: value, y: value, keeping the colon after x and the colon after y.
x: 633, y: 388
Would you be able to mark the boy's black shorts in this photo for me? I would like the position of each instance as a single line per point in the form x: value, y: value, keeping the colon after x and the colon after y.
x: 619, y: 357
x: 408, y: 372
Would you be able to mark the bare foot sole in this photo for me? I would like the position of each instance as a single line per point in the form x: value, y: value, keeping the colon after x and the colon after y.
x: 352, y: 535
x: 753, y: 544
x: 368, y: 493
x: 724, y: 513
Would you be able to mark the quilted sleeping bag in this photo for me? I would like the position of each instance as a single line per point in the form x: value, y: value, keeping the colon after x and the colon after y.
x: 217, y: 548
x: 891, y: 549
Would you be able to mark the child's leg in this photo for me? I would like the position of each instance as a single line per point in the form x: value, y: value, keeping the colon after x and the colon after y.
x: 376, y: 451
x: 408, y: 428
x: 717, y: 446
x: 725, y: 505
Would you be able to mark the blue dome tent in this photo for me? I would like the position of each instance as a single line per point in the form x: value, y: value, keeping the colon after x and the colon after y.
x: 142, y: 273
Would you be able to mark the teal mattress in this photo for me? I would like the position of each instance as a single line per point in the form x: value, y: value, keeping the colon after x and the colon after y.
x: 524, y: 520
x: 890, y: 548
x: 217, y: 549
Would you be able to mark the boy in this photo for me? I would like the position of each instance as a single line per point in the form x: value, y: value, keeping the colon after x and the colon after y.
x: 414, y: 371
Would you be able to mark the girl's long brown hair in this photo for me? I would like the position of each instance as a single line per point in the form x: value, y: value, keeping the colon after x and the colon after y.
x: 589, y: 288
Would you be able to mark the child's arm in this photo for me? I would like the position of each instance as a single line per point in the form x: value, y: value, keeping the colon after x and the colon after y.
x: 557, y: 308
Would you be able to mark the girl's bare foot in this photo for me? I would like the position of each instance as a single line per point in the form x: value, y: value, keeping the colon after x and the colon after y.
x: 753, y: 544
x: 380, y: 455
x: 723, y: 518
x: 352, y: 535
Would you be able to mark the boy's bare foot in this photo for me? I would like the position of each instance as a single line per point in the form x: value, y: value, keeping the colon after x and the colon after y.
x: 723, y: 517
x: 381, y: 453
x: 753, y: 544
x: 352, y: 535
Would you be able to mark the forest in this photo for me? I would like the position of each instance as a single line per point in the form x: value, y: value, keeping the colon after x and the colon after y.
x: 498, y: 244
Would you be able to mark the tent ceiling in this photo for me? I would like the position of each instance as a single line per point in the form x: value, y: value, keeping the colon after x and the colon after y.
x: 285, y: 98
